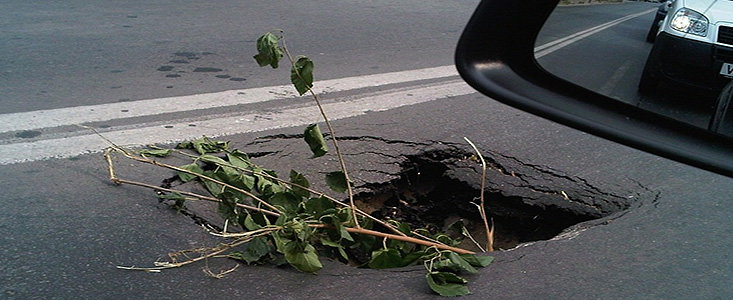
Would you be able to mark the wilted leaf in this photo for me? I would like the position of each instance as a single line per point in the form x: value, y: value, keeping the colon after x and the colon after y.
x: 186, y: 177
x: 155, y: 152
x: 327, y: 242
x: 385, y: 259
x: 461, y: 263
x: 254, y: 250
x: 336, y: 181
x: 204, y: 145
x: 447, y: 284
x: 315, y: 140
x: 239, y: 159
x: 477, y: 261
x: 301, y: 74
x: 302, y: 257
x: 269, y: 52
x: 300, y: 180
x: 318, y: 206
x: 287, y: 201
x: 177, y: 197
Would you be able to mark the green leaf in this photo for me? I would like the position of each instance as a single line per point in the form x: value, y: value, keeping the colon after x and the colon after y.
x: 213, y: 159
x: 301, y: 74
x: 314, y: 138
x: 287, y: 201
x: 330, y: 243
x: 461, y: 263
x: 250, y: 224
x: 254, y: 250
x: 386, y: 258
x: 447, y: 284
x: 155, y: 152
x: 177, y: 197
x: 186, y: 177
x: 317, y: 207
x: 477, y: 261
x: 239, y: 159
x: 269, y: 52
x: 336, y: 181
x: 204, y: 145
x: 302, y: 257
x: 300, y: 180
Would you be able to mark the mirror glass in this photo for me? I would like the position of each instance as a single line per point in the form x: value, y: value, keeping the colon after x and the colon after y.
x: 674, y: 58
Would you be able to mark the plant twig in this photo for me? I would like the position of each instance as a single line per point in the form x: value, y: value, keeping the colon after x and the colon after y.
x: 482, y: 208
x: 333, y: 135
x: 204, y: 177
x: 214, y: 251
x: 400, y: 238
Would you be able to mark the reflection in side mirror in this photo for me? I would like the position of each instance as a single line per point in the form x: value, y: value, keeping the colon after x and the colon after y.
x: 722, y: 120
x: 673, y: 58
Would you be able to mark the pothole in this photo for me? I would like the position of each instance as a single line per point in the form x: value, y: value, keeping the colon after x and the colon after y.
x: 426, y: 196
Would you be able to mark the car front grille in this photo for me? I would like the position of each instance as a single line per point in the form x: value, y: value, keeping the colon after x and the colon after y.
x: 725, y: 35
x: 724, y: 54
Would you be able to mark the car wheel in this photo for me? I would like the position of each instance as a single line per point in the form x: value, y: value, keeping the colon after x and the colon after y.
x: 652, y: 34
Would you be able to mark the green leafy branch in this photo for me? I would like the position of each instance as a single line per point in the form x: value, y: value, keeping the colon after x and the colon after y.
x: 270, y: 48
x: 268, y: 219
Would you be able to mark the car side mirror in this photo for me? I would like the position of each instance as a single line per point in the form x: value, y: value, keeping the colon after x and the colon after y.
x: 499, y: 61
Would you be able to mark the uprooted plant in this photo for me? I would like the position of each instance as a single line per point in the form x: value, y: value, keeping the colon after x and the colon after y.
x: 284, y: 221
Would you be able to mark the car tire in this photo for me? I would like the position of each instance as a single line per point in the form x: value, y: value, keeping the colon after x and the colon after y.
x: 652, y: 34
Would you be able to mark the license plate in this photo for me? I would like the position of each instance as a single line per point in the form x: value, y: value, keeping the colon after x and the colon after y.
x: 727, y: 70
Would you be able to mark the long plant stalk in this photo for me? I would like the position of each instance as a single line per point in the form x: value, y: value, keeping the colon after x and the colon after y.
x: 336, y: 147
x: 482, y: 207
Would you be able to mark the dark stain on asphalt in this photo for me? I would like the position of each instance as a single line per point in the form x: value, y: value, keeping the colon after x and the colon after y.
x: 27, y: 134
x: 207, y: 69
x: 116, y: 71
x: 172, y: 75
x: 188, y: 55
x: 237, y: 79
x: 165, y: 68
x: 179, y: 61
x: 223, y: 76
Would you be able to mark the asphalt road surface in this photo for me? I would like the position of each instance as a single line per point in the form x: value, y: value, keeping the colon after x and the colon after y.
x: 385, y: 72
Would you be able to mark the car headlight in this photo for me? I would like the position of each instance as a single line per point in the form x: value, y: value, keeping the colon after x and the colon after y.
x: 690, y: 21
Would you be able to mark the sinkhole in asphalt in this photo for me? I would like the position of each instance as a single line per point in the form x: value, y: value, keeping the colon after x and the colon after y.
x: 425, y: 196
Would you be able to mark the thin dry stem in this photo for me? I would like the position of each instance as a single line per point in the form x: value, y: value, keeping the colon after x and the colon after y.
x: 219, y: 275
x: 482, y: 208
x: 175, y: 168
x: 400, y: 238
x: 342, y: 162
x: 214, y: 251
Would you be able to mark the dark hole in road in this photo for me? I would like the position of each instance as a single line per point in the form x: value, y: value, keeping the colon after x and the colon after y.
x: 424, y: 196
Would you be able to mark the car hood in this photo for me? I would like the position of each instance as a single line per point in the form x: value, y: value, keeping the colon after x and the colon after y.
x: 715, y: 10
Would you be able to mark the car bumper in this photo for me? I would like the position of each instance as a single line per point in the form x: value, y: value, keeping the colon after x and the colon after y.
x: 695, y: 64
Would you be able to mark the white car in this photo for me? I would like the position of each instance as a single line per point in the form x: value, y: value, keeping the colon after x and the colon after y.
x: 693, y: 47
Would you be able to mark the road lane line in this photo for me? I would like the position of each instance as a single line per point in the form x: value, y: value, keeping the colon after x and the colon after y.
x: 254, y: 122
x: 555, y: 45
x: 104, y: 112
x: 111, y: 111
x: 216, y: 125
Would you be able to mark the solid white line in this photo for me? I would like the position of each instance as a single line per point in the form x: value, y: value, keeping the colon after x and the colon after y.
x: 220, y: 126
x: 111, y: 111
x: 73, y: 146
x: 555, y: 45
x: 104, y: 112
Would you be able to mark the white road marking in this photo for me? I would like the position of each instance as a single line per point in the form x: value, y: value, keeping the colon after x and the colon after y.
x: 72, y: 146
x: 105, y: 112
x: 219, y: 126
x: 555, y: 45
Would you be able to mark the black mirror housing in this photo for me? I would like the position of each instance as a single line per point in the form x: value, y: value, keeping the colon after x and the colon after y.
x: 498, y: 60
